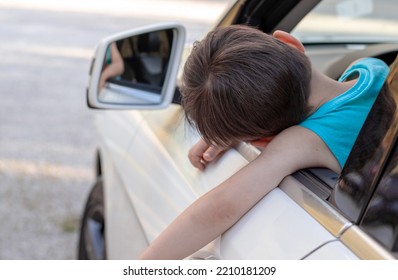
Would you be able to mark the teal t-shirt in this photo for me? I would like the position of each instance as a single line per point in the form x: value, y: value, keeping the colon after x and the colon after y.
x: 338, y: 121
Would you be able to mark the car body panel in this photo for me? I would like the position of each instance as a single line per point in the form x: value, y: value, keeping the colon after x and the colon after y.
x: 161, y: 191
x: 119, y: 211
x: 118, y: 140
x: 122, y: 223
x: 332, y: 251
x: 275, y: 228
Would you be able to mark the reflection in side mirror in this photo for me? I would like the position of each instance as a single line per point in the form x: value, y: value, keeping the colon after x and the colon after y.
x: 137, y: 69
x: 134, y: 68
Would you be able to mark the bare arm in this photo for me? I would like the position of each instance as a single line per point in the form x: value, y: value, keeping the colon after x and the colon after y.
x: 115, y: 68
x: 218, y: 210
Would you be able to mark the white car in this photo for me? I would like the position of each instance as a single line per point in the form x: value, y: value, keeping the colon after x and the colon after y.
x: 144, y: 178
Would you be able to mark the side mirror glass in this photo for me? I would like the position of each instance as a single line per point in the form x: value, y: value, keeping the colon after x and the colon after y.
x: 137, y: 69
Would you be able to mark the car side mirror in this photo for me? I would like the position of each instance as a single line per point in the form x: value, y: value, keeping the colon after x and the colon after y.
x: 136, y: 69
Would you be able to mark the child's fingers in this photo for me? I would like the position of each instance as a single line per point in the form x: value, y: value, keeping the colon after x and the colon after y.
x: 201, y: 154
x: 197, y: 161
x: 212, y: 153
x: 195, y: 154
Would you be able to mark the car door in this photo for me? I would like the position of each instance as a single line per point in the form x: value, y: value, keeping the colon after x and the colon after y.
x: 163, y: 183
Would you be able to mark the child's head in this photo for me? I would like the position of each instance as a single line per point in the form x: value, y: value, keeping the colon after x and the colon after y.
x: 241, y: 84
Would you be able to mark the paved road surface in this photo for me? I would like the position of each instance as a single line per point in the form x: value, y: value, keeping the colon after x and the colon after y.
x: 47, y: 137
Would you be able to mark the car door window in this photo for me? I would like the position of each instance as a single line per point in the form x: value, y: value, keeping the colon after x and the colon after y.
x: 381, y: 216
x: 365, y: 164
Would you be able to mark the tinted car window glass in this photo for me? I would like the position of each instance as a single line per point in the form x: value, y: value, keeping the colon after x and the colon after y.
x: 381, y: 217
x: 366, y: 160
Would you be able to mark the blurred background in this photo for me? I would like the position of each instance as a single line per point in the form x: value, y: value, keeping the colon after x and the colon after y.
x: 47, y: 135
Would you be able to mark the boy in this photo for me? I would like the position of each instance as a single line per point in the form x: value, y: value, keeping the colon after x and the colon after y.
x: 240, y: 84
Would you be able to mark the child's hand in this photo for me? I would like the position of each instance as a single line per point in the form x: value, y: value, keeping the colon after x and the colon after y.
x: 201, y: 153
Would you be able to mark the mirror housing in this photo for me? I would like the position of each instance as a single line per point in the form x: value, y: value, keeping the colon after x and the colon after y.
x: 136, y: 69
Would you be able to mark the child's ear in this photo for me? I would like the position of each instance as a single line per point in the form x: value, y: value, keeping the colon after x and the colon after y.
x: 289, y: 40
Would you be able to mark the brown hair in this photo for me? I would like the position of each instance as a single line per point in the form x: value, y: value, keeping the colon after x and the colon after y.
x: 239, y: 82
